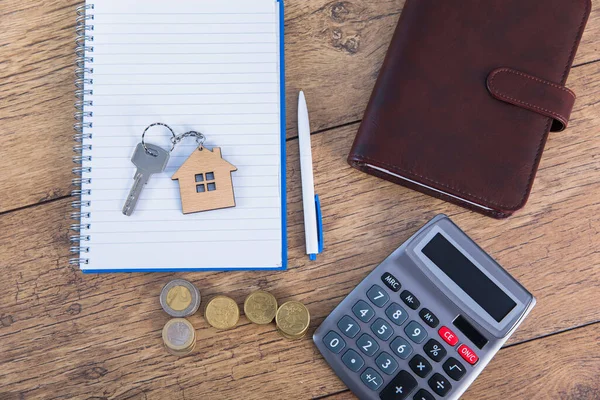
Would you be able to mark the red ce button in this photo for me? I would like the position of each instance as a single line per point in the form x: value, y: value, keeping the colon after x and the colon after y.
x: 448, y: 336
x: 468, y: 354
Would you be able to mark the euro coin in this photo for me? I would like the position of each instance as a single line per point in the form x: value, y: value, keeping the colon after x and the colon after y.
x: 222, y: 312
x: 292, y: 319
x: 180, y: 298
x: 179, y: 336
x: 290, y: 337
x: 260, y: 307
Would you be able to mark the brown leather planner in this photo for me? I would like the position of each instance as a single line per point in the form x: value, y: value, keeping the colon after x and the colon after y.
x: 467, y: 95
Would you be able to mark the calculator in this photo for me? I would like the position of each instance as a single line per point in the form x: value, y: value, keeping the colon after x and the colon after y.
x: 426, y: 321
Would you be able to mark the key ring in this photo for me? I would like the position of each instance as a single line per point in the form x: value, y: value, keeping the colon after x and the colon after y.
x: 148, y: 151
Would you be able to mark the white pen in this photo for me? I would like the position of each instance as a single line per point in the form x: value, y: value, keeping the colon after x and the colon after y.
x: 313, y: 226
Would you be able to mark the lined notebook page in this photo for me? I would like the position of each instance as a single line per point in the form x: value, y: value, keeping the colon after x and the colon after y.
x: 208, y: 65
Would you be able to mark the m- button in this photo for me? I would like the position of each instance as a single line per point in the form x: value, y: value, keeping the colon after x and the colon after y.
x: 391, y: 281
x: 448, y: 336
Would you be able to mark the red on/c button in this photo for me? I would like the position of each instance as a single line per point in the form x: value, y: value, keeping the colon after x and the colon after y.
x: 448, y: 336
x: 468, y: 354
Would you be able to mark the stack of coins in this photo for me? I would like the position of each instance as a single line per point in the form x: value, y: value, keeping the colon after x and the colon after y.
x: 260, y: 307
x: 222, y: 312
x: 179, y: 298
x: 293, y: 320
x: 179, y: 337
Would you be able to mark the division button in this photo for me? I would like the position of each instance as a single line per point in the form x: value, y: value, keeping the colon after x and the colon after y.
x: 439, y: 384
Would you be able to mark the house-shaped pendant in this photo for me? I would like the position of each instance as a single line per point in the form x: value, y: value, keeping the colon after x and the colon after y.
x: 205, y: 181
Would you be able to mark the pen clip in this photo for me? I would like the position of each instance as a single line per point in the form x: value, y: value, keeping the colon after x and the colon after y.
x: 313, y: 257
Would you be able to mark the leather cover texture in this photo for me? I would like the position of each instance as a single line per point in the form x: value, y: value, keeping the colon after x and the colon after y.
x: 467, y: 95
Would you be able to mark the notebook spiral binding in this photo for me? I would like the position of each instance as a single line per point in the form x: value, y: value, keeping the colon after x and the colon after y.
x: 83, y: 117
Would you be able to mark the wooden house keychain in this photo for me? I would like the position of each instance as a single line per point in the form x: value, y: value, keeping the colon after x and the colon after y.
x: 205, y: 181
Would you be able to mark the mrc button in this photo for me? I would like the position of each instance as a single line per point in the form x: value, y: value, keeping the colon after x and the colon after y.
x: 468, y: 354
x: 391, y: 281
x: 448, y: 336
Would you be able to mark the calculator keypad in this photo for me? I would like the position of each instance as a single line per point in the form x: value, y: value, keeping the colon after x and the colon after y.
x: 410, y: 342
x: 415, y: 332
x: 348, y: 326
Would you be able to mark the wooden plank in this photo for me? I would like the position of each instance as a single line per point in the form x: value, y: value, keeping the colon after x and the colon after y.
x: 64, y: 333
x: 333, y: 51
x: 564, y: 366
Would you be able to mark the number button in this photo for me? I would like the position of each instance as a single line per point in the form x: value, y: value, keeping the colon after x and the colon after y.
x: 410, y: 300
x: 367, y: 345
x: 401, y: 348
x: 386, y: 363
x: 454, y: 369
x: 353, y: 360
x: 420, y: 366
x: 415, y: 332
x: 396, y: 314
x: 363, y: 311
x: 378, y: 296
x: 334, y: 342
x: 400, y: 387
x: 348, y: 326
x: 439, y: 384
x: 382, y: 329
x: 423, y: 394
x: 435, y: 350
x: 429, y: 318
x: 372, y: 379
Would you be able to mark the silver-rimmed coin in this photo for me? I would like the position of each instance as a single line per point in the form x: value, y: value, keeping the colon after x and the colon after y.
x: 180, y: 298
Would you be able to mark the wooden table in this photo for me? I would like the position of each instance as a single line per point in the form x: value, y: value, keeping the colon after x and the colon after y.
x: 66, y: 335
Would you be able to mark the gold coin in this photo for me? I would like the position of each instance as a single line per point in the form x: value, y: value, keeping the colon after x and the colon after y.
x: 290, y: 337
x: 293, y: 318
x: 260, y: 307
x: 179, y: 298
x: 179, y: 336
x: 222, y: 312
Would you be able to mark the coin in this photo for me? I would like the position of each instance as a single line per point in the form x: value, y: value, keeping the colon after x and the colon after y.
x: 179, y: 336
x: 180, y: 298
x: 222, y: 312
x: 292, y: 319
x: 290, y: 337
x: 260, y: 307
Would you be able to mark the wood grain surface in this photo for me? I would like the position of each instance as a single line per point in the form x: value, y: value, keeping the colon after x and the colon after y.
x: 68, y: 335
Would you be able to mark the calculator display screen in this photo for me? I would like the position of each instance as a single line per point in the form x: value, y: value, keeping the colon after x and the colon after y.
x: 468, y: 277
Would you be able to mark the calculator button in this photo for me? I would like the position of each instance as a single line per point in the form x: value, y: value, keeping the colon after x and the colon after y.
x: 420, y: 366
x: 410, y: 300
x: 386, y: 363
x: 401, y: 348
x: 382, y: 329
x: 367, y: 345
x: 372, y: 379
x: 348, y: 326
x: 391, y: 281
x: 334, y: 342
x: 423, y: 394
x: 448, y: 336
x: 378, y: 296
x: 415, y: 332
x: 396, y: 314
x: 454, y: 369
x: 468, y: 354
x: 363, y: 311
x: 435, y: 350
x: 400, y: 387
x: 353, y: 360
x: 439, y: 384
x: 429, y: 318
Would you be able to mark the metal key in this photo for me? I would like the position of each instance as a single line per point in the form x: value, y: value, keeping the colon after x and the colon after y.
x: 148, y: 163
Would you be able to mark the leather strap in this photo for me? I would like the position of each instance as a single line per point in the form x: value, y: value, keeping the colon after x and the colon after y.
x: 538, y: 95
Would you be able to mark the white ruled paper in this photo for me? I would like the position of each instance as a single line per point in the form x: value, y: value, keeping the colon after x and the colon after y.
x: 207, y: 65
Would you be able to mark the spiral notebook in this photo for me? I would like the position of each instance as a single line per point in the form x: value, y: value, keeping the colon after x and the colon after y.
x: 211, y: 66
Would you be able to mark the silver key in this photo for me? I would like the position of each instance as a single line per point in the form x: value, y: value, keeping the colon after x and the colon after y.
x: 148, y: 163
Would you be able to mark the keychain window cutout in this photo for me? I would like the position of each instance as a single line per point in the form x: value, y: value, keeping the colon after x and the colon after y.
x: 204, y: 196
